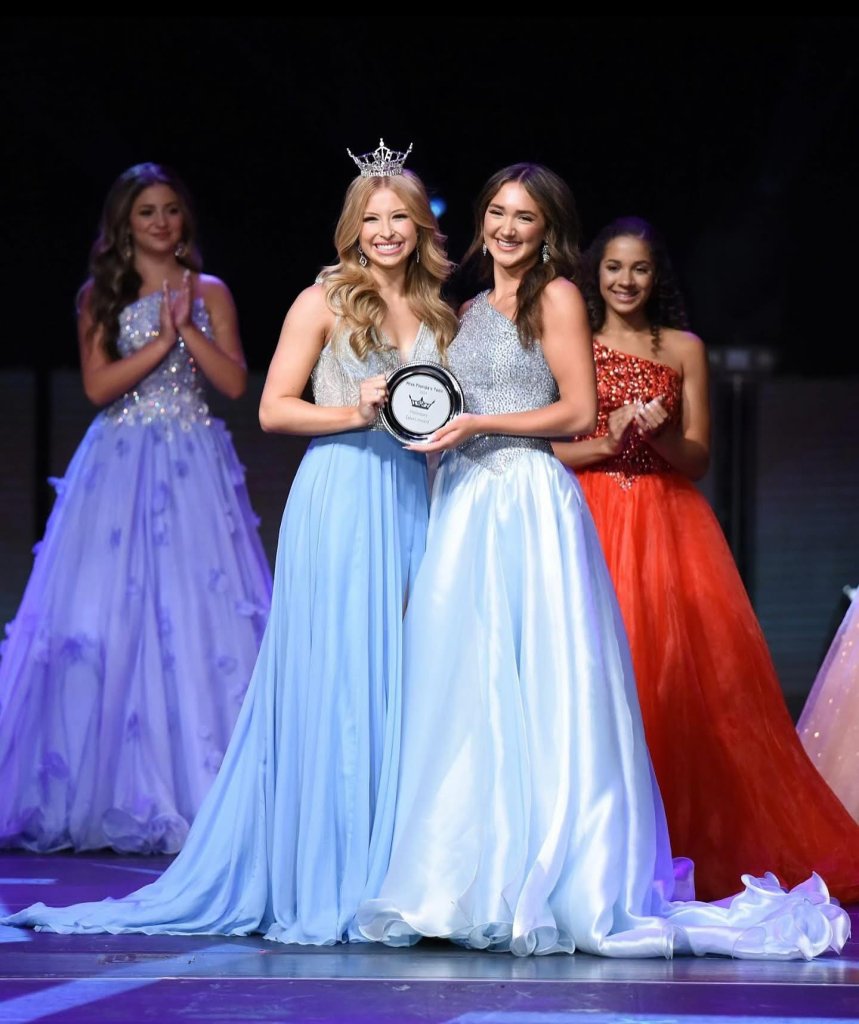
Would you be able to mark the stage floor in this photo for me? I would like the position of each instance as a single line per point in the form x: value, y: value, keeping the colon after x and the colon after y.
x: 130, y: 978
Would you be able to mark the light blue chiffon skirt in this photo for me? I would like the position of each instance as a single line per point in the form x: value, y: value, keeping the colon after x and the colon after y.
x: 282, y: 843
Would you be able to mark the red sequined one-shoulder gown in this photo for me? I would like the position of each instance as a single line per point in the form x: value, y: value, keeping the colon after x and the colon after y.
x: 740, y: 793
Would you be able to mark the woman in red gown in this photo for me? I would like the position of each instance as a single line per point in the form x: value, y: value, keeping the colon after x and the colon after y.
x: 740, y: 792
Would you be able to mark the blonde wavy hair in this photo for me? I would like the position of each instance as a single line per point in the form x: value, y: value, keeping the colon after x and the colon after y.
x: 350, y: 290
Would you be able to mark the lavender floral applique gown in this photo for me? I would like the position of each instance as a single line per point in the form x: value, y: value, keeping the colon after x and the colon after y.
x: 124, y: 670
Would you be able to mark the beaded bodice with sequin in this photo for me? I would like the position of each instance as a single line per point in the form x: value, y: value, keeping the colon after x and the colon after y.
x: 621, y: 379
x: 498, y: 375
x: 174, y: 390
x: 337, y: 375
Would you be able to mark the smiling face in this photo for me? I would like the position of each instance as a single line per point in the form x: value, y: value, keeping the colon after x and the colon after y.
x: 156, y: 222
x: 388, y: 234
x: 626, y: 275
x: 513, y: 227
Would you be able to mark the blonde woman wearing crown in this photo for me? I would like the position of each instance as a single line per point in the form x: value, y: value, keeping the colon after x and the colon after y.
x: 281, y: 846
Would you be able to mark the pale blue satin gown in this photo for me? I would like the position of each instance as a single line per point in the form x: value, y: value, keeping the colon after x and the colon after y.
x: 281, y: 845
x: 525, y: 816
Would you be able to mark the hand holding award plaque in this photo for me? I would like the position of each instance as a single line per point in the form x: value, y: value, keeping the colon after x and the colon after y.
x: 422, y: 397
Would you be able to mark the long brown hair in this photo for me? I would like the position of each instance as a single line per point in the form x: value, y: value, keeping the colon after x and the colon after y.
x: 350, y: 289
x: 555, y: 199
x: 114, y: 282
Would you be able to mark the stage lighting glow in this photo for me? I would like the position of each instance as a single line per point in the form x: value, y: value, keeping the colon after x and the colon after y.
x: 438, y: 206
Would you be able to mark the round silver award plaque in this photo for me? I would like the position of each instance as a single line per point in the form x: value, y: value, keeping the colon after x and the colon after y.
x: 421, y: 398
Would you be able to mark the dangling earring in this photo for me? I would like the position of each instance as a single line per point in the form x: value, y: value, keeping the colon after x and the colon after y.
x: 128, y: 250
x: 362, y: 259
x: 483, y: 248
x: 544, y: 252
x: 417, y: 255
x: 180, y: 250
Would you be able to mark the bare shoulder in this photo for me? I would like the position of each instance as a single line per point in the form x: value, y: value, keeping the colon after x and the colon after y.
x: 210, y: 286
x: 216, y: 296
x: 686, y: 352
x: 312, y: 301
x: 465, y: 307
x: 83, y: 305
x: 684, y: 346
x: 561, y: 294
x: 562, y: 304
x: 83, y: 299
x: 311, y: 313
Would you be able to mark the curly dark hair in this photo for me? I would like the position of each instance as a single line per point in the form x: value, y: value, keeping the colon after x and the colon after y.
x: 555, y: 200
x: 666, y: 306
x: 114, y: 283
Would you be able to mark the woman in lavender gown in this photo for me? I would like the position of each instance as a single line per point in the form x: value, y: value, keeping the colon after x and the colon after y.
x: 124, y: 670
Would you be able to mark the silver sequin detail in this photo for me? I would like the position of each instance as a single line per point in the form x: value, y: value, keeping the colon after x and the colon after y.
x: 337, y: 375
x: 173, y: 392
x: 499, y: 375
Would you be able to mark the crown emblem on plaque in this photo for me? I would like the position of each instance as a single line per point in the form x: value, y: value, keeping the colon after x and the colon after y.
x: 421, y: 403
x: 382, y: 162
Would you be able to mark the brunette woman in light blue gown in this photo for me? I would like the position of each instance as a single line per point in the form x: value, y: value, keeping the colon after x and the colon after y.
x: 525, y: 815
x: 125, y: 668
x: 282, y: 844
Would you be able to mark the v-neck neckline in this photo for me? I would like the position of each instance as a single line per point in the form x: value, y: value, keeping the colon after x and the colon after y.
x: 412, y: 348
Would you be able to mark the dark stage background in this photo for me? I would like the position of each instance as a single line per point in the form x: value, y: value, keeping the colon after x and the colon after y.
x: 735, y: 135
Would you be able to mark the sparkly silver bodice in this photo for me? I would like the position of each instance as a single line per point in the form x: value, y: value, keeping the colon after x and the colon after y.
x: 498, y: 375
x: 337, y: 376
x: 174, y: 390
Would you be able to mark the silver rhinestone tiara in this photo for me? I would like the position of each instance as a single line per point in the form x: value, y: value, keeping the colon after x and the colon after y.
x: 382, y: 162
